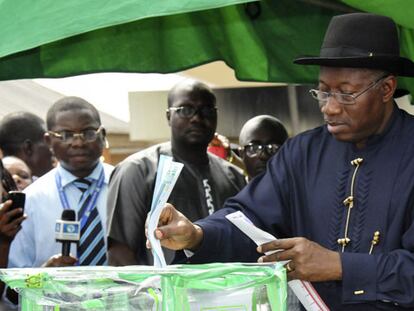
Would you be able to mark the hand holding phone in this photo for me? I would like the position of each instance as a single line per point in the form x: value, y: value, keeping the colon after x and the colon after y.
x: 18, y: 199
x: 11, y: 215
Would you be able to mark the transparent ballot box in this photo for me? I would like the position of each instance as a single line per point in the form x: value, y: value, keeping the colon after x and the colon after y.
x: 209, y: 287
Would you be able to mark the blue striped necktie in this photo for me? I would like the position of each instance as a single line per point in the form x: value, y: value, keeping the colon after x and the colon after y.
x: 91, y: 247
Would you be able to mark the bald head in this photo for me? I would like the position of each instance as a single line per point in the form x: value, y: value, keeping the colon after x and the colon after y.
x: 192, y: 117
x: 263, y: 125
x: 265, y: 134
x: 194, y: 87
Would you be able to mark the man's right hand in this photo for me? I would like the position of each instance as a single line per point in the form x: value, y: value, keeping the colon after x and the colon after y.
x: 60, y: 261
x: 176, y: 232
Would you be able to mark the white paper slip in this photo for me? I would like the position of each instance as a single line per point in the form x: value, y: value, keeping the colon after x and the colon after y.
x: 248, y: 228
x: 167, y: 175
x: 307, y: 295
x: 303, y: 290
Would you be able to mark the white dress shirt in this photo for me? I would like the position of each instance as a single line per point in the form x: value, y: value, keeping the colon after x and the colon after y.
x: 35, y: 243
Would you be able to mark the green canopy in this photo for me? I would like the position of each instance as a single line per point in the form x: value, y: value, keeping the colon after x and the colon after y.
x: 259, y: 40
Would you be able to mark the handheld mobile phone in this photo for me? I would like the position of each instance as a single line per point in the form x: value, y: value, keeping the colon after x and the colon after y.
x: 18, y: 199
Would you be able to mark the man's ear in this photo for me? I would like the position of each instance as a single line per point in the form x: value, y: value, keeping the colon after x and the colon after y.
x: 168, y: 115
x: 389, y: 86
x: 28, y: 147
x: 241, y: 152
x: 47, y: 140
x: 105, y: 139
x: 103, y: 131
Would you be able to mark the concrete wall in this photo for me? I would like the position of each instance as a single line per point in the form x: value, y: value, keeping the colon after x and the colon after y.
x: 148, y: 120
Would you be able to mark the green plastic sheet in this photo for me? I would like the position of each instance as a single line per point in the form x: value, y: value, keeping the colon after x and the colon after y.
x: 217, y: 286
x: 258, y: 39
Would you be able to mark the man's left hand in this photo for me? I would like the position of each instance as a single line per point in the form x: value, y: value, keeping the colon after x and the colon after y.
x: 309, y: 261
x: 10, y: 221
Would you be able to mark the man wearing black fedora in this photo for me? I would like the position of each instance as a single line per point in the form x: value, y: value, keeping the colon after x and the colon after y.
x: 340, y: 197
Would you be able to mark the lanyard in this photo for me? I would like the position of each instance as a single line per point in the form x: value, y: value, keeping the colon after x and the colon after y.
x: 92, y: 201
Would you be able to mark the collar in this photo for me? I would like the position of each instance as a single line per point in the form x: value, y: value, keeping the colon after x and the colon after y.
x: 67, y: 177
x: 395, y: 116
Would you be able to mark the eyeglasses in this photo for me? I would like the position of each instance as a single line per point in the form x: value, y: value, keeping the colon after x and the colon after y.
x: 342, y: 98
x: 68, y: 137
x: 188, y: 112
x: 253, y: 150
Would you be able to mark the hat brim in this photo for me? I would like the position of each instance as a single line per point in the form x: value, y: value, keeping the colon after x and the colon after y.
x: 398, y: 65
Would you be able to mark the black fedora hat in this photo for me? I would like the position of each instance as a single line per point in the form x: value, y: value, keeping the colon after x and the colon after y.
x: 361, y: 40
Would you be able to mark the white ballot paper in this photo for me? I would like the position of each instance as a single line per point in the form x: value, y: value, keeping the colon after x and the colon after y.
x: 167, y: 175
x: 305, y: 292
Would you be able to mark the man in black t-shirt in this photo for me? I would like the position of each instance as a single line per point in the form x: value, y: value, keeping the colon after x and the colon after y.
x: 205, y: 182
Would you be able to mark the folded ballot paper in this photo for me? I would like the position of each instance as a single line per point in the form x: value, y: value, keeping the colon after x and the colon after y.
x: 303, y: 290
x: 167, y: 175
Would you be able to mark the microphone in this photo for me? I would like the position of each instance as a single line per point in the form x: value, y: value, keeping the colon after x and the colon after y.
x: 67, y: 230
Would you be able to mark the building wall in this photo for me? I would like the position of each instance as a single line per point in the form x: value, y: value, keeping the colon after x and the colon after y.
x: 120, y: 147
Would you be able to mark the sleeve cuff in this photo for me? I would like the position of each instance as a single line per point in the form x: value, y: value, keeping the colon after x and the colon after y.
x: 358, y: 278
x: 205, y: 252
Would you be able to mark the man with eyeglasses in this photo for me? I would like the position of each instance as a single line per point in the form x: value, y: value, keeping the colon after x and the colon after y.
x: 205, y: 182
x: 79, y: 182
x: 260, y: 138
x: 340, y: 197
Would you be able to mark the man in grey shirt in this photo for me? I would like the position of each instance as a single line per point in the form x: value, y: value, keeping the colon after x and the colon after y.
x: 205, y: 182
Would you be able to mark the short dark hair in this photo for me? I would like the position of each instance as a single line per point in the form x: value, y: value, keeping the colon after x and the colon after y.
x: 16, y: 128
x: 70, y: 103
x: 193, y: 86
